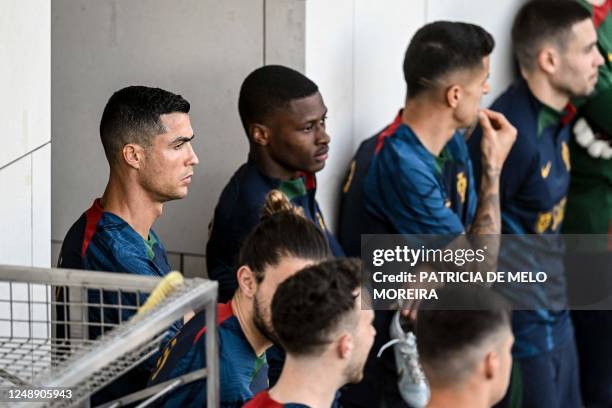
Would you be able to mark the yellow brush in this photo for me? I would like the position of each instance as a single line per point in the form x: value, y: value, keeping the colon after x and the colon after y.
x: 168, y: 284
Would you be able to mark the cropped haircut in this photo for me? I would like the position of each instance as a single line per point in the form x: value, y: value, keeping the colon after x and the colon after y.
x: 132, y: 115
x: 453, y: 330
x: 544, y: 21
x: 314, y: 303
x: 441, y: 48
x: 269, y: 88
x: 282, y: 232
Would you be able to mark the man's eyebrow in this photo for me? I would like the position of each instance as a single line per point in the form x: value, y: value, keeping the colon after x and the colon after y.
x: 591, y: 45
x: 317, y: 118
x: 182, y: 139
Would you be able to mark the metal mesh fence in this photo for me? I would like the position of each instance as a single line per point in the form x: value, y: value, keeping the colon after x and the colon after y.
x: 75, y: 329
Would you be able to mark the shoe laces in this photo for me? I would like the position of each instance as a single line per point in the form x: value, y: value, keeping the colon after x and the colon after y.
x: 410, y: 355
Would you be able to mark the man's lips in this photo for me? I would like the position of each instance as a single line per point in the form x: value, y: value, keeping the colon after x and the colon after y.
x: 187, y: 178
x: 322, y: 154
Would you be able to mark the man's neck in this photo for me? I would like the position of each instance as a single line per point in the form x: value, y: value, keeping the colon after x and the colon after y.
x: 542, y: 89
x: 458, y: 397
x: 243, y: 310
x: 431, y: 126
x: 269, y: 167
x: 132, y: 204
x: 308, y: 382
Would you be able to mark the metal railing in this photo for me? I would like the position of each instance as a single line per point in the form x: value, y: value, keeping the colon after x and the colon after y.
x: 74, y: 329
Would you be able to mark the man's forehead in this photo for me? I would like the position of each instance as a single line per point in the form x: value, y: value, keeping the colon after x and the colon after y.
x: 584, y: 33
x: 312, y: 105
x: 174, y: 119
x: 175, y: 124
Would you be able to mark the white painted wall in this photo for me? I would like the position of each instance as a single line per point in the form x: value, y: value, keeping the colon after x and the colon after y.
x: 329, y: 63
x: 25, y: 159
x: 381, y: 37
x: 25, y: 114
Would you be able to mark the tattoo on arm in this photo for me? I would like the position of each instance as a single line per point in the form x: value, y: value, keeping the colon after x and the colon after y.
x: 488, y: 214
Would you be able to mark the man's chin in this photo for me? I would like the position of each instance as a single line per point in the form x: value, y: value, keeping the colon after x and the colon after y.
x: 355, y: 377
x: 270, y: 336
x: 266, y: 331
x: 182, y: 193
x: 316, y: 167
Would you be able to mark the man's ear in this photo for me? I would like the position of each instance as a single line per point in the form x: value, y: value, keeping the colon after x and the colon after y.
x: 345, y: 346
x: 133, y: 155
x: 548, y: 59
x: 491, y: 365
x: 453, y: 96
x: 260, y: 134
x: 246, y: 281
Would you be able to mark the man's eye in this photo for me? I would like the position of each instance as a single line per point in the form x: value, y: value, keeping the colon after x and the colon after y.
x: 308, y: 128
x: 179, y: 146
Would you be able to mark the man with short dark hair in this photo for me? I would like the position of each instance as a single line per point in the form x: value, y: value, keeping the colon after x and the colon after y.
x: 283, y: 115
x: 589, y: 211
x: 146, y: 134
x: 555, y: 44
x: 318, y: 318
x: 465, y: 342
x: 415, y: 177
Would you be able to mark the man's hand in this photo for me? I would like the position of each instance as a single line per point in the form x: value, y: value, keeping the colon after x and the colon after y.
x: 498, y: 136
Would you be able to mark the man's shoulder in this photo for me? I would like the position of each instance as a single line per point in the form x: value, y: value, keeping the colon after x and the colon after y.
x: 116, y: 235
x: 243, y: 194
x: 401, y: 153
x: 516, y: 104
x: 116, y: 247
x: 72, y: 245
x: 78, y: 237
x: 400, y: 170
x: 186, y: 351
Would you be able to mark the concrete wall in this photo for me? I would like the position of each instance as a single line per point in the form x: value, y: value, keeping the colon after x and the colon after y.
x: 203, y: 49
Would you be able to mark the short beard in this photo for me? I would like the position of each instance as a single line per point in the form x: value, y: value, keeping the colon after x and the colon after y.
x: 261, y: 324
x: 353, y: 373
x: 571, y: 93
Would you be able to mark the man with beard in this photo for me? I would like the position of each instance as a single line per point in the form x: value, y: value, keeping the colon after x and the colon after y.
x: 146, y: 134
x: 555, y: 44
x: 283, y: 243
x: 589, y: 211
x: 319, y: 320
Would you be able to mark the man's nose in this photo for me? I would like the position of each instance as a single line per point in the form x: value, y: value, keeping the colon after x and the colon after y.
x: 600, y: 59
x: 323, y: 137
x: 193, y: 157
